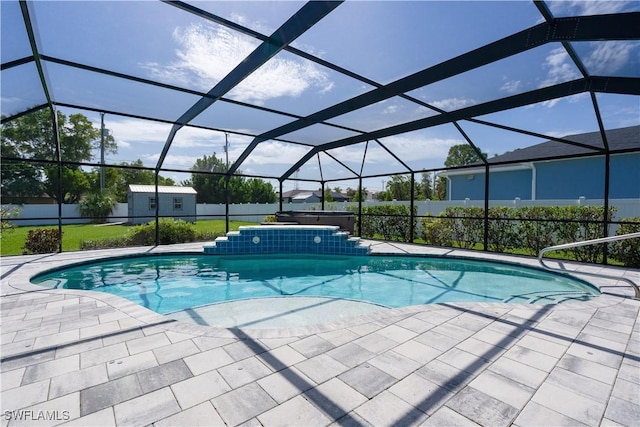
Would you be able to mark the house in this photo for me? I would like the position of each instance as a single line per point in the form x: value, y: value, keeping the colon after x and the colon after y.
x: 554, y: 170
x: 176, y: 202
x: 311, y: 196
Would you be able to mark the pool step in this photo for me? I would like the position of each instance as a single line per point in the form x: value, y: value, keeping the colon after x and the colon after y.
x: 299, y: 239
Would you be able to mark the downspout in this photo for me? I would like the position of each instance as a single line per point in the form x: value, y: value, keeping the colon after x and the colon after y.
x: 227, y: 198
x: 360, y: 206
x: 486, y: 206
x: 534, y: 179
x: 56, y: 136
x: 411, y: 207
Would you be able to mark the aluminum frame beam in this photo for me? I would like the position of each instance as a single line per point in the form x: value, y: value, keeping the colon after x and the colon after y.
x: 308, y: 15
x: 621, y: 85
x: 586, y: 28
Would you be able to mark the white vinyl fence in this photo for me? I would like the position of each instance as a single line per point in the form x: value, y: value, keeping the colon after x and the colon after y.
x: 48, y: 214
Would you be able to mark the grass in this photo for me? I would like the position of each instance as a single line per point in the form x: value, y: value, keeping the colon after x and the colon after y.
x: 12, y: 241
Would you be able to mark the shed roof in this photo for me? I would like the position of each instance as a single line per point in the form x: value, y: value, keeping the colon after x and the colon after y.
x: 164, y: 189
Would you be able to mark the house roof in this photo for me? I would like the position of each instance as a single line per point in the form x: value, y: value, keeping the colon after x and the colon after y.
x: 304, y: 194
x: 617, y: 139
x: 164, y: 189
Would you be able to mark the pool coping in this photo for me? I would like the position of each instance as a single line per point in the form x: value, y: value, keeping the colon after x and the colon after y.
x: 102, y: 360
x: 32, y: 265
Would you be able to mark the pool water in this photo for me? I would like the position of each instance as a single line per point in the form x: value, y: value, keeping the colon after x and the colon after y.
x: 170, y: 283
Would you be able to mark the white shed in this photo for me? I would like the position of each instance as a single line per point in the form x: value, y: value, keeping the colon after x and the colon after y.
x: 176, y: 202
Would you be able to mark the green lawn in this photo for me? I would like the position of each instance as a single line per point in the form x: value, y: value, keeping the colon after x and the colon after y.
x: 12, y: 241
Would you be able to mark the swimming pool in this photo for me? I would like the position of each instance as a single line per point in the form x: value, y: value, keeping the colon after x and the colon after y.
x: 171, y: 283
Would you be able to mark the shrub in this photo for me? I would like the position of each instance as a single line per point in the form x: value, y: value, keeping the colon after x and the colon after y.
x: 8, y: 213
x: 97, y: 206
x: 537, y: 227
x: 169, y: 231
x: 42, y: 241
x: 627, y: 251
x: 392, y: 222
x: 270, y: 218
x: 145, y: 236
x: 586, y: 225
x: 112, y: 242
x: 466, y: 225
x: 503, y: 233
x: 436, y: 231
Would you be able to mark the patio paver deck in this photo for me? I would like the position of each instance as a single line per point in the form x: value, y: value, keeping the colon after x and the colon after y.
x: 85, y: 358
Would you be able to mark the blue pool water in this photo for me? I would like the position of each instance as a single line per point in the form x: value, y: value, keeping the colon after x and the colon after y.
x: 169, y: 283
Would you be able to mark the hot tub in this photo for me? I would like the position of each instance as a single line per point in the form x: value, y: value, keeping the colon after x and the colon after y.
x: 343, y: 219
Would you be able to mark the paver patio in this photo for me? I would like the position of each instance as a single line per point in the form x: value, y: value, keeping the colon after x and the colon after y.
x: 85, y: 358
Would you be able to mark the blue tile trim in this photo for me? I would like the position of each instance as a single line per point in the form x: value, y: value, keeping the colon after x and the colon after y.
x: 325, y: 240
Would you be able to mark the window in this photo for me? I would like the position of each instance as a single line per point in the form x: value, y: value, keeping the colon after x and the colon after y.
x: 177, y: 203
x: 152, y: 203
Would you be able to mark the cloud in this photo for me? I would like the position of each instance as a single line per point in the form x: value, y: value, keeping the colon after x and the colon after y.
x: 406, y: 147
x: 511, y: 86
x: 130, y: 132
x: 172, y: 161
x: 390, y: 109
x: 452, y: 104
x: 275, y: 152
x: 207, y: 53
x: 608, y: 57
x: 582, y: 8
x: 560, y: 69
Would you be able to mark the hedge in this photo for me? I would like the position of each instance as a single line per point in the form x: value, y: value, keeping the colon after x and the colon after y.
x: 531, y: 229
x: 170, y: 231
x: 627, y: 251
x: 391, y: 222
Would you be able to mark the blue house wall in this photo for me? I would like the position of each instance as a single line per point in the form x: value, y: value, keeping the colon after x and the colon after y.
x: 570, y: 179
x: 558, y: 179
x: 502, y: 185
x: 625, y: 176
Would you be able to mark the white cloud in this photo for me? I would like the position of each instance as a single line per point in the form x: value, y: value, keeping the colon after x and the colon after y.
x: 563, y: 133
x: 581, y: 7
x: 559, y: 68
x: 207, y: 53
x: 452, y: 104
x: 390, y: 109
x: 131, y: 132
x: 511, y: 86
x: 608, y: 57
x: 275, y: 153
x: 420, y: 148
x: 173, y: 161
x: 406, y: 147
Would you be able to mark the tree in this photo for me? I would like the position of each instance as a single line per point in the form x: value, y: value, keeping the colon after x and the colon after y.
x: 74, y: 182
x: 31, y: 137
x: 328, y: 197
x: 20, y: 180
x: 459, y: 155
x: 424, y: 189
x: 259, y: 191
x: 211, y: 187
x: 462, y: 155
x: 117, y: 180
x: 360, y: 196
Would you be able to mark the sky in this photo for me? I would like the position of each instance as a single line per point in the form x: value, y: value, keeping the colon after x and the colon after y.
x: 380, y: 40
